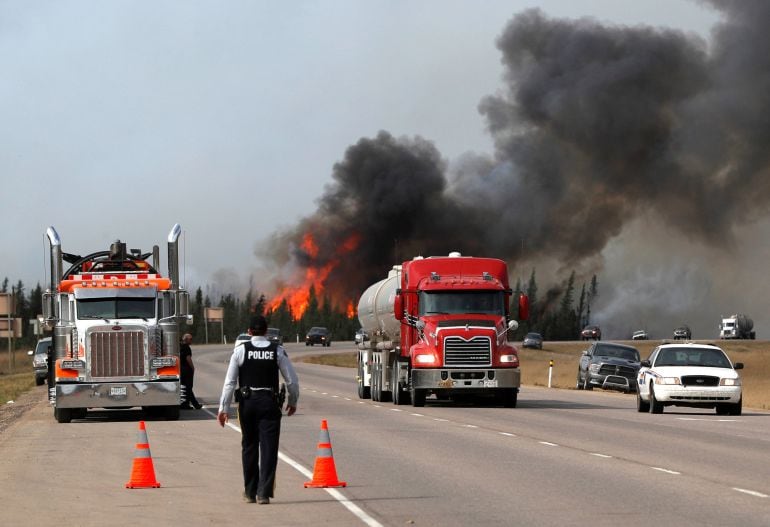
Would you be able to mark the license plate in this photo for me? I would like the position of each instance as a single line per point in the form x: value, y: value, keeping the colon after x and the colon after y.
x: 446, y: 383
x: 490, y: 384
x: 118, y: 391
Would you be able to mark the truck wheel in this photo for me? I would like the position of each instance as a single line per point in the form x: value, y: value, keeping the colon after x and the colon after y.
x: 641, y: 405
x: 62, y: 415
x: 508, y: 397
x: 587, y: 385
x: 171, y: 413
x: 363, y: 391
x: 655, y: 406
x: 578, y: 383
x: 39, y: 381
x: 737, y: 408
x: 418, y: 397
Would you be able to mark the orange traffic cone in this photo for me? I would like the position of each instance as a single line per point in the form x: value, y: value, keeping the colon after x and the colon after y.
x: 142, y: 473
x: 324, y: 472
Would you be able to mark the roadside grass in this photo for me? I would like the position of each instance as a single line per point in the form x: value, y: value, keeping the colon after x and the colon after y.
x: 755, y: 355
x: 21, y: 379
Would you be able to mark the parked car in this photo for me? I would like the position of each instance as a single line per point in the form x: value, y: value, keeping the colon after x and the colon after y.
x: 533, y: 340
x: 639, y: 335
x: 274, y: 335
x: 318, y: 335
x: 687, y: 374
x: 591, y: 333
x: 243, y: 337
x: 682, y: 333
x: 610, y: 366
x: 40, y: 360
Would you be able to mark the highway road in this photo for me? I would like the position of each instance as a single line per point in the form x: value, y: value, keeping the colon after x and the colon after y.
x: 563, y: 457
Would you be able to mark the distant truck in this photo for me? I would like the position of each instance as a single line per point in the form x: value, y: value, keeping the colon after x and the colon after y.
x: 736, y: 327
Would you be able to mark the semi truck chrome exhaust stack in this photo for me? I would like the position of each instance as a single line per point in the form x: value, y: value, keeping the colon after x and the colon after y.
x: 56, y: 257
x: 173, y: 255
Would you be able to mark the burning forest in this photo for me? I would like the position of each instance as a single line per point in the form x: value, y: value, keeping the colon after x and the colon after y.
x: 597, y: 128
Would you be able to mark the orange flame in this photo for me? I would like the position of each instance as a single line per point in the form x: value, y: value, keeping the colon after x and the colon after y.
x: 298, y: 296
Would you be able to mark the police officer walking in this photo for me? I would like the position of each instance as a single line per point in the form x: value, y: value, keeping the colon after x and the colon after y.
x: 254, y: 365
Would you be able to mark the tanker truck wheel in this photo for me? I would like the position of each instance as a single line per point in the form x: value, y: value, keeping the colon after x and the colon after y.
x: 418, y: 397
x: 363, y: 391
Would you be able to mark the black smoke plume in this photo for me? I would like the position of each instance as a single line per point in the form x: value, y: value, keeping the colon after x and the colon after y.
x: 597, y: 125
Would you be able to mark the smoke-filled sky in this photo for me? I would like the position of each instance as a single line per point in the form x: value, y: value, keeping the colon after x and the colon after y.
x: 621, y: 138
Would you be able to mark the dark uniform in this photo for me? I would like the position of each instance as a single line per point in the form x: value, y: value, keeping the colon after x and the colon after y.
x: 255, y: 365
x: 260, y: 418
x: 186, y: 377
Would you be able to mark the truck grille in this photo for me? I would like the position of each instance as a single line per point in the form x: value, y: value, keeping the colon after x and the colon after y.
x: 474, y: 352
x: 117, y: 353
x: 700, y: 380
x: 623, y: 371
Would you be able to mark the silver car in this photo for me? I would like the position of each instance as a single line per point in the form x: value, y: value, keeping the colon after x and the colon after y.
x: 40, y: 360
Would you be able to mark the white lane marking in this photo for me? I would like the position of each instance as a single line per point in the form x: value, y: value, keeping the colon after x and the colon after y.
x: 507, y: 434
x: 546, y: 443
x: 666, y: 470
x: 470, y: 426
x: 417, y: 415
x: 600, y: 455
x: 752, y: 493
x: 439, y: 419
x: 337, y: 495
x: 396, y: 410
x: 348, y: 399
x: 335, y: 396
x: 712, y: 420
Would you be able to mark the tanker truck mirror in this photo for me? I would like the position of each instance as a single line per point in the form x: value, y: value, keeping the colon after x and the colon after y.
x: 523, y: 307
x: 398, y: 307
x: 513, y: 325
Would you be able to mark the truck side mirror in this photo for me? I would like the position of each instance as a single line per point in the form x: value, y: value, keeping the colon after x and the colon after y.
x: 398, y: 307
x: 523, y: 307
x: 738, y: 366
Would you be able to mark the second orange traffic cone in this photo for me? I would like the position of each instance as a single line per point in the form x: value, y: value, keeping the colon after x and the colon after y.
x: 324, y: 471
x: 142, y: 472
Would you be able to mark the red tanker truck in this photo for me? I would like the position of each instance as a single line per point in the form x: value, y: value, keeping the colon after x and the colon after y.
x: 439, y: 325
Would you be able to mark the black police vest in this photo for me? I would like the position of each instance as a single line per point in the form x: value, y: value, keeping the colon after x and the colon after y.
x: 260, y: 366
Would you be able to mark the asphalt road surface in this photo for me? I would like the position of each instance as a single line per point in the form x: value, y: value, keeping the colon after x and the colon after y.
x: 563, y: 457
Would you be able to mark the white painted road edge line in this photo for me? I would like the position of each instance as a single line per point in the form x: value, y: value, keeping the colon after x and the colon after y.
x: 601, y: 455
x: 666, y: 471
x: 546, y: 443
x: 507, y: 434
x: 752, y: 493
x: 337, y: 495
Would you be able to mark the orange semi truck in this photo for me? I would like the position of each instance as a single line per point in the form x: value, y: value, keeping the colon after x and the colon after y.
x: 116, y: 330
x: 439, y: 326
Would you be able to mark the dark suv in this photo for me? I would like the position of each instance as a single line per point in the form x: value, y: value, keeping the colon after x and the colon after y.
x: 608, y: 365
x: 274, y: 335
x: 318, y: 335
x: 682, y: 333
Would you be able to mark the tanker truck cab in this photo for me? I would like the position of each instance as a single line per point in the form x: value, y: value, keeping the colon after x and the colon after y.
x: 446, y: 334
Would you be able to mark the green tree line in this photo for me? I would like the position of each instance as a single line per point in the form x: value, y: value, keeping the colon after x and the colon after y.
x: 559, y: 314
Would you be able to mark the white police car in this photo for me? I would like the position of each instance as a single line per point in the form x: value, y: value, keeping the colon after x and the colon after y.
x: 694, y: 375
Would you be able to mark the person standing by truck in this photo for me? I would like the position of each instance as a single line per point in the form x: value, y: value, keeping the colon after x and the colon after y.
x: 188, y: 374
x: 254, y: 365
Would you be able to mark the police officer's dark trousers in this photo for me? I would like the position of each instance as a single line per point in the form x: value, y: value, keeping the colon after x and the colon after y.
x: 260, y: 420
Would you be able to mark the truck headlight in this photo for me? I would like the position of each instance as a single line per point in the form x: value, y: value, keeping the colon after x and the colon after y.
x: 594, y: 368
x: 667, y: 380
x: 425, y: 358
x: 506, y: 359
x: 730, y: 382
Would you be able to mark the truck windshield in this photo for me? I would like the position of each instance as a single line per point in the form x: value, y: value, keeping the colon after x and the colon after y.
x: 462, y: 302
x: 111, y: 308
